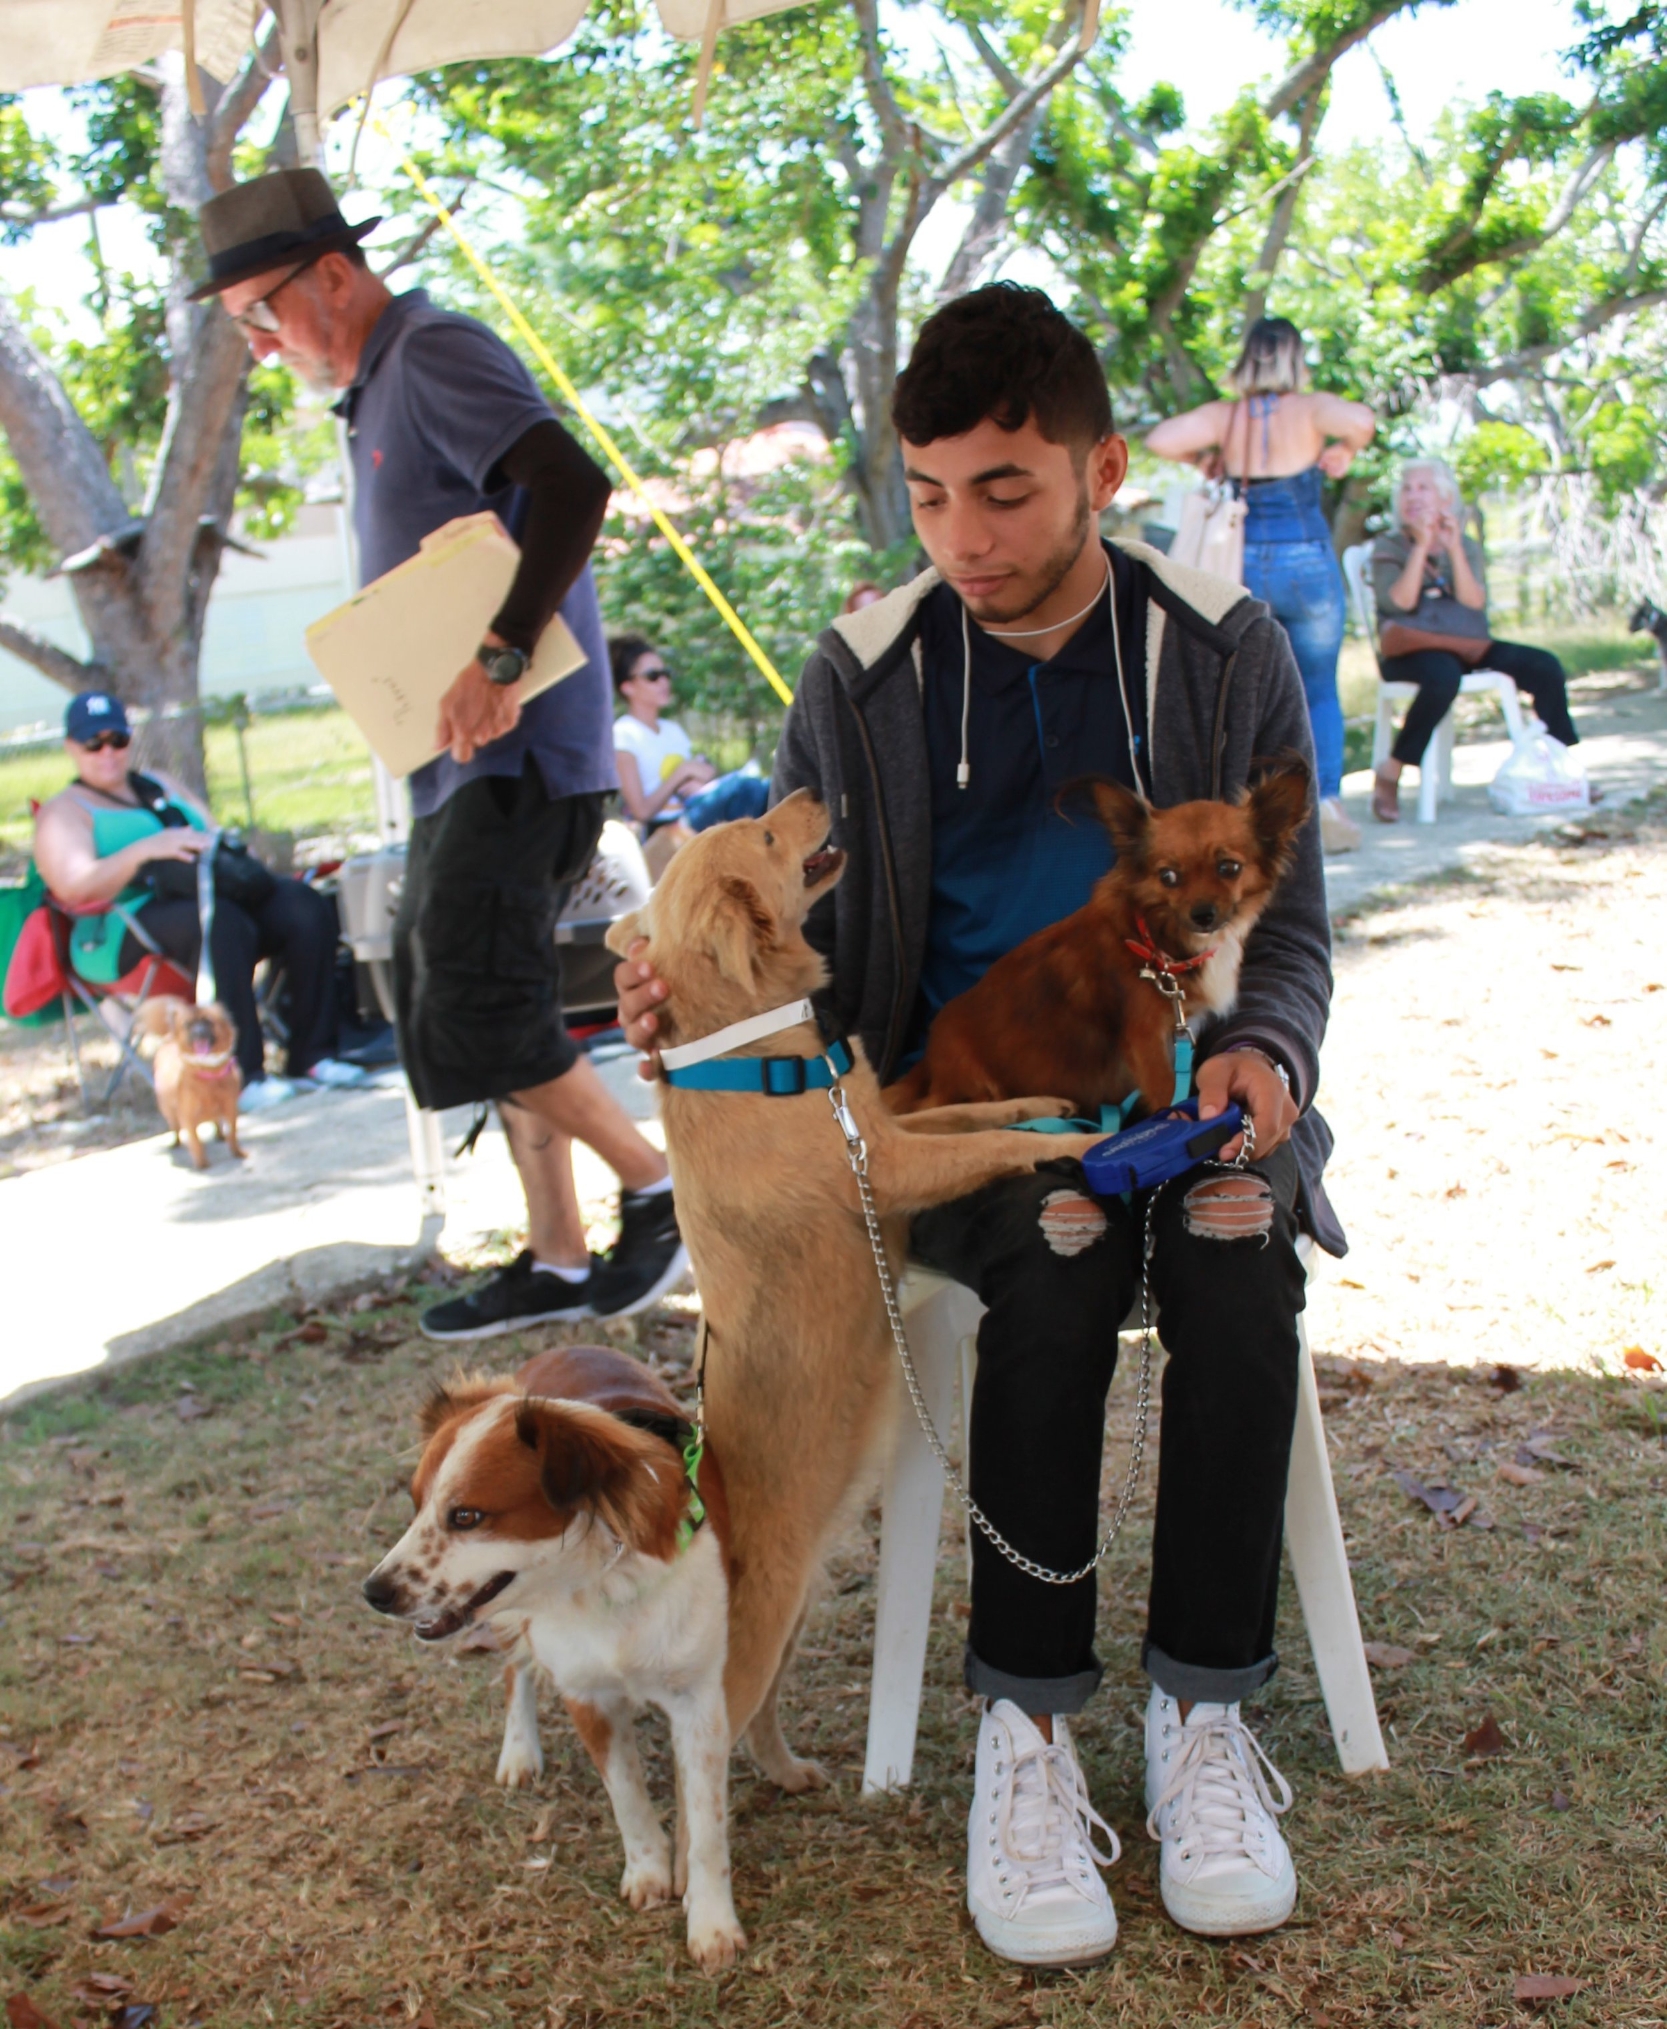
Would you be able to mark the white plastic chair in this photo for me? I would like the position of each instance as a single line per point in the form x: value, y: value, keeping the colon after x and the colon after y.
x: 1435, y: 771
x: 943, y: 1324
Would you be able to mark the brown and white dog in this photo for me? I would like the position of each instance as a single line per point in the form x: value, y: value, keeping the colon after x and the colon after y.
x: 799, y: 1357
x: 196, y: 1074
x: 557, y: 1505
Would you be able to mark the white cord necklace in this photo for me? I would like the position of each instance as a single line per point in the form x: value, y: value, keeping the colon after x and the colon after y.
x: 1053, y: 626
x: 963, y: 772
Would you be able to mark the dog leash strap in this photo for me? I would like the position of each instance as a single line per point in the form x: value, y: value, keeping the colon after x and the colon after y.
x: 737, y: 1035
x: 773, y: 1077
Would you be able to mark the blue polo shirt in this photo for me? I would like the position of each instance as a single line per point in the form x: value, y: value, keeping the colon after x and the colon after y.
x: 437, y: 400
x: 1005, y: 863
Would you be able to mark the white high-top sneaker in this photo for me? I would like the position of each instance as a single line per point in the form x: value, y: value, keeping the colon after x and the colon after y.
x: 1225, y: 1871
x: 1033, y: 1883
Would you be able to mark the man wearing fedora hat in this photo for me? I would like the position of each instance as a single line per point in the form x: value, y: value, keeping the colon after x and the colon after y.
x: 443, y: 420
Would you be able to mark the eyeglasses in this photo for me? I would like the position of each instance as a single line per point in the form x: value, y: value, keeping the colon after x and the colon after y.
x: 260, y: 315
x: 99, y: 741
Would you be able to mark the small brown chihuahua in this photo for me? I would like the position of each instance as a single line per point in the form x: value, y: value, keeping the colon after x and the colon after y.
x: 1075, y: 1009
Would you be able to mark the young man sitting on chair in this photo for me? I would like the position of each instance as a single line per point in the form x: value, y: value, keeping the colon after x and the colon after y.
x: 938, y: 725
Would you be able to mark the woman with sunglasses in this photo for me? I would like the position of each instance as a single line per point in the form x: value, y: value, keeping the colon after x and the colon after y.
x: 662, y: 780
x: 95, y: 845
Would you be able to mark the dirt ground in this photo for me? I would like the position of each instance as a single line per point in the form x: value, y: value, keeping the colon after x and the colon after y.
x: 203, y: 1730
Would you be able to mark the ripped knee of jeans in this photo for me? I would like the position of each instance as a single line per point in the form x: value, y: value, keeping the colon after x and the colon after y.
x: 1071, y: 1222
x: 1238, y: 1207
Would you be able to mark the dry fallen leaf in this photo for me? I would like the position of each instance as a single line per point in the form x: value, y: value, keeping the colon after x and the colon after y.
x: 22, y: 2013
x: 188, y: 1825
x: 41, y: 1915
x: 1519, y: 1475
x: 155, y: 1922
x: 1559, y: 1802
x: 1546, y: 1987
x: 1485, y: 1740
x: 1386, y: 1656
x: 1505, y: 1378
x: 1439, y: 1500
x: 1597, y: 1267
x: 189, y: 1407
x: 544, y: 1825
x: 102, y: 1988
x: 1641, y: 1362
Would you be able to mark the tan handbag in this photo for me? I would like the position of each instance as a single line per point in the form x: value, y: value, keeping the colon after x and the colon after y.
x: 1211, y: 535
x: 1396, y: 639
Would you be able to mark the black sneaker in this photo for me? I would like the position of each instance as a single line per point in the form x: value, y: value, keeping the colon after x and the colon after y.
x: 515, y: 1297
x: 647, y: 1259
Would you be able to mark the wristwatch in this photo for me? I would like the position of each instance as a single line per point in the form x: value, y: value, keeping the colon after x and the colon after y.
x: 503, y: 666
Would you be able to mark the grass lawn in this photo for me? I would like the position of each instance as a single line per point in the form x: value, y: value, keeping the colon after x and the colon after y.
x: 198, y: 1713
x: 309, y: 772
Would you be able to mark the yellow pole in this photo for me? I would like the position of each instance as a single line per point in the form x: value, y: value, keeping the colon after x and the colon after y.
x: 610, y: 450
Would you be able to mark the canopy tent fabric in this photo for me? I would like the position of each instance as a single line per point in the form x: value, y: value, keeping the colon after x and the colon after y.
x: 333, y: 49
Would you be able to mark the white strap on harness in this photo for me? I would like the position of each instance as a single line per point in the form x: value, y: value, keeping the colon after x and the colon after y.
x: 732, y: 1038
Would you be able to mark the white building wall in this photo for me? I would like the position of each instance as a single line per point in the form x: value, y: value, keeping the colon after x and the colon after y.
x: 258, y: 613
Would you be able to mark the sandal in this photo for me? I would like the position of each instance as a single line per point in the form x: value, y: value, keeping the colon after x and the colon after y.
x: 1386, y: 798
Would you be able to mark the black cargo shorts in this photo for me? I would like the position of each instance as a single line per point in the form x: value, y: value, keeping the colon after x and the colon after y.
x: 477, y: 977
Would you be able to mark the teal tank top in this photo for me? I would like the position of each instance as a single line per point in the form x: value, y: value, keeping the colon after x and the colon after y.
x: 95, y: 942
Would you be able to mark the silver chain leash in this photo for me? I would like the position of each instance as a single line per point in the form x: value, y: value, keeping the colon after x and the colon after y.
x: 856, y: 1150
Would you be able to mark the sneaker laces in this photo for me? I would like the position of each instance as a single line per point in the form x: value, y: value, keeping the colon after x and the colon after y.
x: 1219, y: 1787
x: 1045, y: 1812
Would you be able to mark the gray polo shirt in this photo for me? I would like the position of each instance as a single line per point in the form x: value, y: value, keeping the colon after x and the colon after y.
x: 437, y: 401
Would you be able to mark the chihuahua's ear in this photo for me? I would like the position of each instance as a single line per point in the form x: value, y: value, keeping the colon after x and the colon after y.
x: 633, y: 924
x: 1126, y: 816
x: 1279, y: 805
x: 741, y: 929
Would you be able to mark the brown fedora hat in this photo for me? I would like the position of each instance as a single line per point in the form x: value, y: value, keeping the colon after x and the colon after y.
x: 288, y: 215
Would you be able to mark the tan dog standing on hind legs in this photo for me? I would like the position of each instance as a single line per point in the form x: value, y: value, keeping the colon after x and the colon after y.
x: 798, y: 1374
x: 197, y: 1079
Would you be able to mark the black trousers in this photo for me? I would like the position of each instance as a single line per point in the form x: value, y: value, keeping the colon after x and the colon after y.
x: 1047, y: 1349
x: 477, y: 975
x: 1438, y: 675
x: 296, y: 926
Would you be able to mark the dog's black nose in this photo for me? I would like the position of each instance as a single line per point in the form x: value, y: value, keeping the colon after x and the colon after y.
x: 380, y: 1593
x: 1204, y: 915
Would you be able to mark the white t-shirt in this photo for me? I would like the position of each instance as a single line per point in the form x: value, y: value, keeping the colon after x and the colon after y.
x: 657, y: 753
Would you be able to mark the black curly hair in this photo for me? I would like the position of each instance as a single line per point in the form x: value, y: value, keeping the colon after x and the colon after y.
x: 1003, y: 352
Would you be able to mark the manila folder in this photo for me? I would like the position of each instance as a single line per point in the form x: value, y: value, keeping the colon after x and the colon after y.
x: 394, y: 650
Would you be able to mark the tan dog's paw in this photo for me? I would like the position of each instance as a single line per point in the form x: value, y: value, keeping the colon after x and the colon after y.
x: 1063, y: 1147
x: 714, y: 1946
x: 1042, y: 1109
x: 796, y: 1777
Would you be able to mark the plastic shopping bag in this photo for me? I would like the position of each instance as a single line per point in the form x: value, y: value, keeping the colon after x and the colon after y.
x: 1540, y: 775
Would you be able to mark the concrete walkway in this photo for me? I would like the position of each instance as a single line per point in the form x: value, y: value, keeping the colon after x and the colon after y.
x: 140, y: 1252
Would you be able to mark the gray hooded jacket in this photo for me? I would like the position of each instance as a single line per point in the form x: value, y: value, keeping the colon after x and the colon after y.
x: 1222, y: 689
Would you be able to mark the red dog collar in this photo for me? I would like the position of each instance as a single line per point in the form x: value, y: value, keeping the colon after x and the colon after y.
x: 1146, y: 950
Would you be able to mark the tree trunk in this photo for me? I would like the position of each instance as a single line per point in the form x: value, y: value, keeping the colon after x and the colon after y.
x: 141, y: 584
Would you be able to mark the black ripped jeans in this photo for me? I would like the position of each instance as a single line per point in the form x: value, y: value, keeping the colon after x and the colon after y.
x: 1047, y: 1349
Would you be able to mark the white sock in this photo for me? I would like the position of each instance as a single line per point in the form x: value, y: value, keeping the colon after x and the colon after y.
x: 555, y: 1268
x: 654, y: 1190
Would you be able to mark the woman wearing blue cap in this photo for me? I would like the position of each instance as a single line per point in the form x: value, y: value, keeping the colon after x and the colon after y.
x: 100, y: 845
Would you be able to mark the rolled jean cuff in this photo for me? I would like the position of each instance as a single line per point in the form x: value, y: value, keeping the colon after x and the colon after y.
x: 1038, y: 1697
x: 1199, y: 1686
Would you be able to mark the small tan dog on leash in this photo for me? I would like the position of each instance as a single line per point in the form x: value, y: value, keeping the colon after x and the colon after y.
x: 197, y: 1079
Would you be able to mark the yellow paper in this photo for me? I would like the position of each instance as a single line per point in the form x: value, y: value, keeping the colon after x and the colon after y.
x: 394, y: 650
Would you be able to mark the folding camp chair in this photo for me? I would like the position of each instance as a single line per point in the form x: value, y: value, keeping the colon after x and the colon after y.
x: 117, y: 1004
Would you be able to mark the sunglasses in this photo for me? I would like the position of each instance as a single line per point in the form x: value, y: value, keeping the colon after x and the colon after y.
x: 99, y: 741
x: 260, y: 315
x: 660, y: 675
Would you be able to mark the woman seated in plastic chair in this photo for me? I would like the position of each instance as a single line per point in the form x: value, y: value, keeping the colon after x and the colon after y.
x: 1431, y: 589
x: 96, y: 843
x: 663, y: 782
